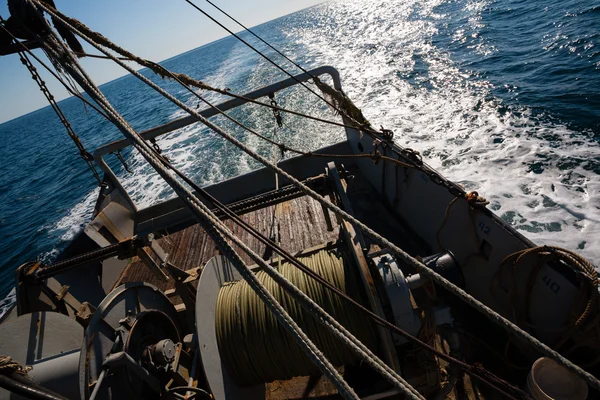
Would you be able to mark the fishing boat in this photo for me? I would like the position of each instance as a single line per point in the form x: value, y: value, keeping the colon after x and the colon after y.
x: 352, y: 271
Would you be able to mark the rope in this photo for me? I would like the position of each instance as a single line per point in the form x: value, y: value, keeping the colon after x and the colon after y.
x: 472, y: 369
x: 187, y: 80
x: 401, y: 254
x: 275, y: 64
x: 547, y: 254
x: 255, y: 348
x: 211, y: 224
x: 9, y: 366
x: 204, y: 216
x: 259, y: 38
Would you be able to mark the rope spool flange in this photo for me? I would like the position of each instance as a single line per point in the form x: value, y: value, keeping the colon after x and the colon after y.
x: 250, y: 344
x: 217, y: 271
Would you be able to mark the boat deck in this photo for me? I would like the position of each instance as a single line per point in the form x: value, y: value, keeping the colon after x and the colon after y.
x: 302, y: 225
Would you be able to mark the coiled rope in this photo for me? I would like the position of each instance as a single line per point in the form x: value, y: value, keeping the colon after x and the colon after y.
x: 254, y: 346
x: 584, y: 269
x: 206, y: 216
x: 219, y: 233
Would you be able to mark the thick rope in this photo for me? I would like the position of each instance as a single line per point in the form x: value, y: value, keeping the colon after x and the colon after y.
x: 329, y: 103
x: 474, y: 370
x: 196, y: 205
x: 344, y: 105
x: 254, y: 347
x: 574, y: 261
x: 419, y: 266
x: 9, y: 366
x: 313, y: 352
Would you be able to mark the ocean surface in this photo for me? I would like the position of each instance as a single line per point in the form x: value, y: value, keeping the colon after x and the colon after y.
x: 501, y: 96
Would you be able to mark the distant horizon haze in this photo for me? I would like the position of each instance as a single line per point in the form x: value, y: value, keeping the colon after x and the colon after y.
x: 147, y: 29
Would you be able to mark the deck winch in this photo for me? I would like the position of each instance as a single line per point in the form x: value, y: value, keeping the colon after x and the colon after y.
x: 256, y: 349
x: 132, y: 345
x: 239, y: 332
x: 380, y: 305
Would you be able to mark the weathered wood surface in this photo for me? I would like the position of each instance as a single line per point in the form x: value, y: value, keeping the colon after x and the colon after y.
x: 302, y: 225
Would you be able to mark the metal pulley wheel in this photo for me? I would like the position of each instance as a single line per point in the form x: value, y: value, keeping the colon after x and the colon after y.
x: 129, y: 344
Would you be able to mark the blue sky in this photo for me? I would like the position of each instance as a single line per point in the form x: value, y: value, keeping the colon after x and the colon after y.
x: 153, y: 29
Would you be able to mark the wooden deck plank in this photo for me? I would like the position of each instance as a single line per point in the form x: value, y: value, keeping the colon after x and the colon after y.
x: 192, y: 247
x: 301, y: 225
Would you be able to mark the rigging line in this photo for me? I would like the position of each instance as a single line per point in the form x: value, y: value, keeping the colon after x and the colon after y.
x: 192, y: 199
x: 271, y: 61
x: 207, y: 220
x: 214, y: 227
x: 161, y: 71
x: 470, y: 369
x: 80, y: 54
x: 218, y: 231
x: 259, y: 38
x: 278, y: 108
x: 178, y: 77
x: 494, y: 316
x: 55, y: 75
x: 411, y: 261
x: 187, y: 80
x: 83, y: 153
x: 341, y: 332
x: 375, y: 156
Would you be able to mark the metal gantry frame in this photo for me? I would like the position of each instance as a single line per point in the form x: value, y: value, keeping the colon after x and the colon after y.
x: 207, y: 113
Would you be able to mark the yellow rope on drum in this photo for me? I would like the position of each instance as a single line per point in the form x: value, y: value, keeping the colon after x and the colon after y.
x: 255, y: 348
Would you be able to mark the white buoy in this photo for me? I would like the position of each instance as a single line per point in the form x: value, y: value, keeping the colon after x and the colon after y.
x: 549, y: 380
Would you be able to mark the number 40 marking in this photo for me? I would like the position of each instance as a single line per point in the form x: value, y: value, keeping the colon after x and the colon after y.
x: 555, y: 287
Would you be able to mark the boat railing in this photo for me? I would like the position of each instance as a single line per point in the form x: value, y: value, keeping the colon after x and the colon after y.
x: 207, y: 113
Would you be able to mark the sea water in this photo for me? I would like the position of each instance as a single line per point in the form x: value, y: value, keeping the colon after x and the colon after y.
x: 501, y: 96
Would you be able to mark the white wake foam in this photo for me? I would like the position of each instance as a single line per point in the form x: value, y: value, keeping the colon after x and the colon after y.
x: 446, y: 113
x: 449, y: 116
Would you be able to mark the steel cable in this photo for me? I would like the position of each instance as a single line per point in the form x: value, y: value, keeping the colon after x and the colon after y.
x: 205, y: 215
x: 491, y: 314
